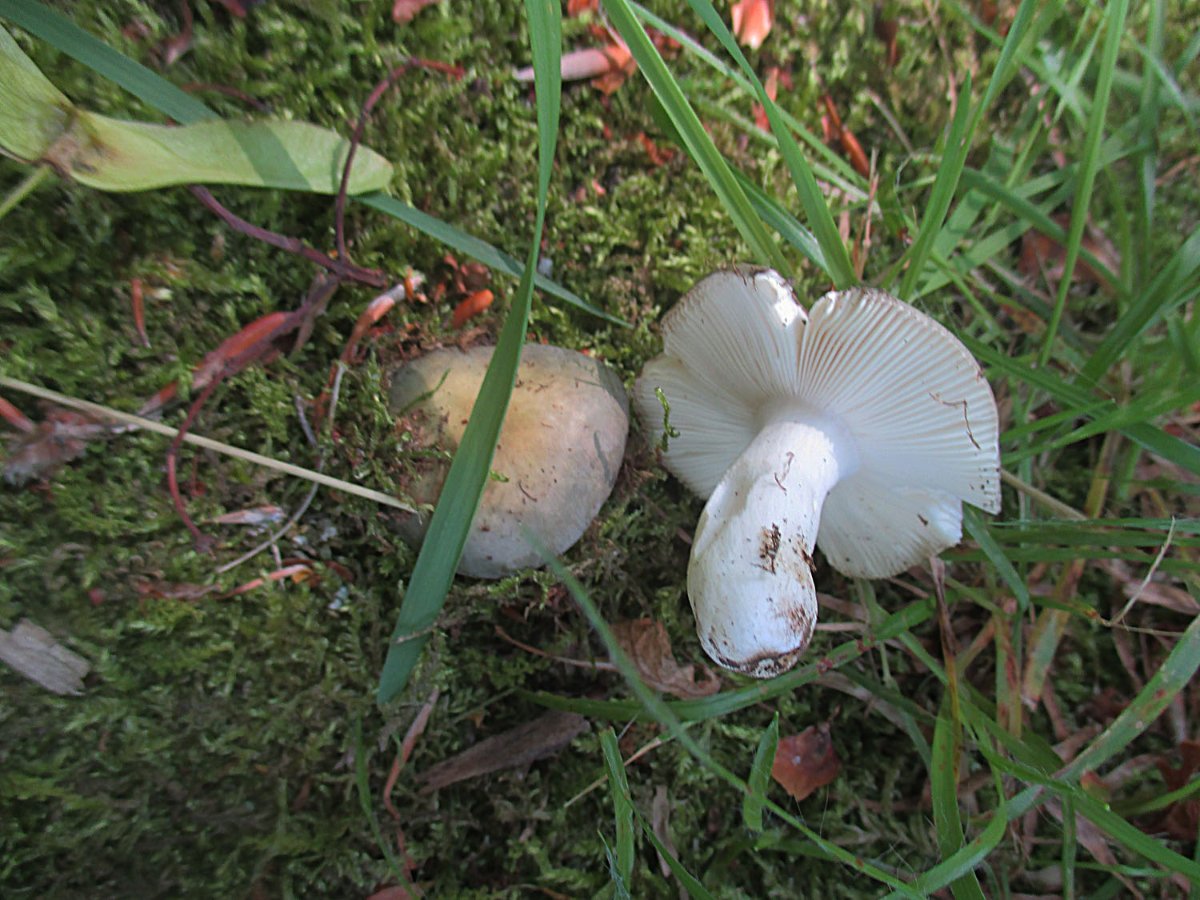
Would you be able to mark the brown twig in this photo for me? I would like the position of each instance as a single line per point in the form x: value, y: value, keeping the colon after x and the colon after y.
x: 356, y: 136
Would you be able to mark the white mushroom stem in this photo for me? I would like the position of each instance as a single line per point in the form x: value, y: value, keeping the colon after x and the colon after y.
x: 750, y: 575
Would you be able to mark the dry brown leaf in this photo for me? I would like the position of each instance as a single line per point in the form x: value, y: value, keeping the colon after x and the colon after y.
x: 33, y: 652
x: 752, y: 21
x: 1042, y: 254
x: 1182, y: 818
x: 806, y: 761
x: 520, y: 746
x: 646, y: 642
x: 62, y: 437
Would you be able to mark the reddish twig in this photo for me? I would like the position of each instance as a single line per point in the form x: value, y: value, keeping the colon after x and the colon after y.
x: 338, y: 267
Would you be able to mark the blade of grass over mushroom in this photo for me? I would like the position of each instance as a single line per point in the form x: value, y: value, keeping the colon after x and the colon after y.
x: 760, y: 776
x: 618, y: 786
x: 1089, y: 163
x: 661, y: 712
x: 447, y: 534
x: 478, y: 249
x: 63, y: 34
x: 816, y: 210
x: 695, y: 139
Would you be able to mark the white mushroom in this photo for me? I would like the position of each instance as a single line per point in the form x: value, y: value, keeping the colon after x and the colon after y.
x: 556, y: 461
x: 863, y: 420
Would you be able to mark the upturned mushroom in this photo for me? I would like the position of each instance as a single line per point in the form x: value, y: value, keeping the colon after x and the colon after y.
x: 556, y: 461
x: 862, y: 420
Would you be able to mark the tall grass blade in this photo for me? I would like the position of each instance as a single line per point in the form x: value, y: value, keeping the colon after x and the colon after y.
x: 447, y: 534
x: 695, y: 139
x: 943, y: 783
x: 618, y: 786
x: 816, y: 210
x: 954, y: 157
x: 60, y: 32
x: 760, y: 776
x: 1089, y: 164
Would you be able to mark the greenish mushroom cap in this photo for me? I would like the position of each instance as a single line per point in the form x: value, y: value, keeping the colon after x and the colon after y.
x: 556, y: 461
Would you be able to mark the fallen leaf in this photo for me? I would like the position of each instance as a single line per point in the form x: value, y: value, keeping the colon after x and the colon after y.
x: 520, y: 746
x: 752, y: 21
x: 647, y: 643
x: 470, y: 307
x: 60, y: 438
x: 403, y: 11
x: 1182, y: 818
x: 771, y: 86
x: 33, y: 652
x: 806, y: 761
x: 1044, y: 255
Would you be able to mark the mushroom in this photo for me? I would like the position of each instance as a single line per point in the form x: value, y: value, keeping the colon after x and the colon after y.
x: 556, y: 461
x: 863, y: 420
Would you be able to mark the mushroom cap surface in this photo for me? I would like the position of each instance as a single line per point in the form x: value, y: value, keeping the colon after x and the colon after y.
x: 740, y: 352
x: 556, y: 461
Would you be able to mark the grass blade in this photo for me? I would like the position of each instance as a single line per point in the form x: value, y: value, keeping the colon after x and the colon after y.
x: 1172, y: 676
x: 1089, y: 165
x: 760, y: 776
x: 622, y: 805
x: 954, y: 158
x: 943, y: 783
x: 816, y: 210
x: 57, y: 30
x: 695, y: 139
x: 690, y: 882
x: 434, y: 570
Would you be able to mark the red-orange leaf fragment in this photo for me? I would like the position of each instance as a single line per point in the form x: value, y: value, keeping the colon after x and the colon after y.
x: 15, y: 417
x: 752, y: 21
x: 806, y: 761
x: 139, y: 310
x: 472, y: 306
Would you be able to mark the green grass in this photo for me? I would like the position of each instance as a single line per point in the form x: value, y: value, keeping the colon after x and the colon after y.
x: 234, y: 746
